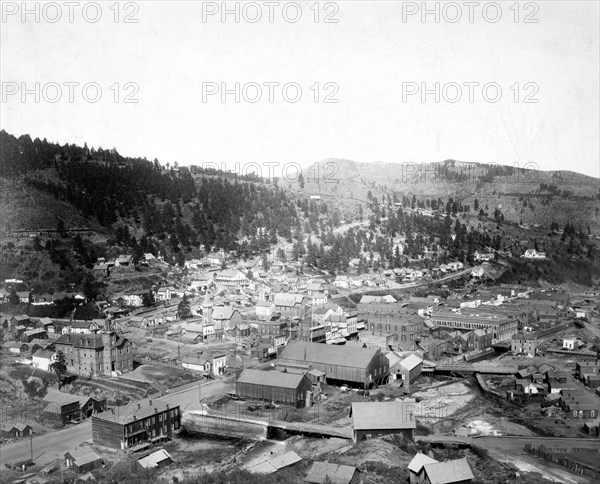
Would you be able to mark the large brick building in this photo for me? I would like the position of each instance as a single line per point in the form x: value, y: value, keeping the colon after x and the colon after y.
x: 391, y: 319
x: 96, y: 354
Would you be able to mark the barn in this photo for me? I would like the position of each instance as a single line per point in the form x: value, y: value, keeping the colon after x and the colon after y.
x: 274, y: 386
x: 358, y: 367
x: 371, y: 419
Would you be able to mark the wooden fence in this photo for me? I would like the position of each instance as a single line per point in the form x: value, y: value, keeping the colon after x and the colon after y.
x: 558, y: 456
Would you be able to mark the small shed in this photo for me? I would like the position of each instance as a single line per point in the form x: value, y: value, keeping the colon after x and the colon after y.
x: 155, y: 460
x: 14, y: 431
x: 451, y: 472
x: 416, y: 465
x: 275, y: 463
x: 410, y: 368
x: 326, y: 473
x: 83, y: 460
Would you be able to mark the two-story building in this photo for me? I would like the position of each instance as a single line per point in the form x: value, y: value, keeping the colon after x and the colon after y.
x: 136, y: 426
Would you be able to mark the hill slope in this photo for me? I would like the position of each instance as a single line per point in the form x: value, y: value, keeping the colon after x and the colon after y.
x: 529, y: 196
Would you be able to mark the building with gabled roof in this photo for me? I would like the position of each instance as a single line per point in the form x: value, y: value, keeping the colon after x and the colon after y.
x: 15, y: 430
x: 326, y: 473
x: 155, y: 460
x: 455, y: 471
x: 83, y: 460
x: 416, y: 465
x: 371, y: 419
x: 362, y: 367
x: 273, y: 386
x: 290, y: 304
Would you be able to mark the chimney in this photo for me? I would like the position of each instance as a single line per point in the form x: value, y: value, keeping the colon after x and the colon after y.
x: 167, y: 405
x: 139, y: 407
x: 150, y: 402
x: 155, y: 410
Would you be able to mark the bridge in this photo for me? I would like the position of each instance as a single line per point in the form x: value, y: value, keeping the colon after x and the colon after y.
x: 472, y: 368
x: 216, y: 423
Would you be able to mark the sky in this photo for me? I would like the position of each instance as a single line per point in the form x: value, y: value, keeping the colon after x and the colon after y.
x: 513, y: 83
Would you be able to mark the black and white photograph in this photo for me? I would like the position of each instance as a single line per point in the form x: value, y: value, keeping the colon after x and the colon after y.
x: 289, y: 242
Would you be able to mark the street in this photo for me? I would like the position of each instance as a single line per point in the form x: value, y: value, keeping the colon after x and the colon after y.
x: 51, y: 446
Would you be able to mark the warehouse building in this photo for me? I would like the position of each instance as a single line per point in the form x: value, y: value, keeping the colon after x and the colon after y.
x: 372, y: 419
x: 273, y: 386
x: 358, y: 367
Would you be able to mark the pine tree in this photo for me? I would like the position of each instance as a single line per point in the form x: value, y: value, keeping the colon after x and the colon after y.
x: 183, y: 310
x: 59, y: 366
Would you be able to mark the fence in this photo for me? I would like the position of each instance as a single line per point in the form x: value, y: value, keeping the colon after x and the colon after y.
x: 572, y: 464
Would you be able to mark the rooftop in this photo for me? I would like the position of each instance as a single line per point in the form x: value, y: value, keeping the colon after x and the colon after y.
x: 324, y: 472
x: 334, y: 355
x: 135, y: 411
x: 447, y: 472
x: 382, y: 415
x: 271, y: 378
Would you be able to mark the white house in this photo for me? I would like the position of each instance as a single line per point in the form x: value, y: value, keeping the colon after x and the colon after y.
x: 231, y: 277
x: 571, y: 344
x: 342, y: 281
x: 533, y: 254
x: 135, y: 298
x: 265, y: 309
x: 455, y: 266
x: 42, y: 359
x: 483, y: 257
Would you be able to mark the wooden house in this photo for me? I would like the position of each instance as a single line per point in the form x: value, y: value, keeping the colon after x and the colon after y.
x: 61, y: 408
x: 137, y: 426
x: 371, y: 419
x: 15, y: 430
x: 326, y: 473
x: 83, y: 460
x: 416, y: 467
x: 451, y: 472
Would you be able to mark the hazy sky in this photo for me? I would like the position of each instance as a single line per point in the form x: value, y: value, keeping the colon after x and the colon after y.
x: 374, y: 58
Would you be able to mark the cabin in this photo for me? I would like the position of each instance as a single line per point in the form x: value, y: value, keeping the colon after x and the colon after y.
x: 83, y: 460
x: 156, y: 460
x: 61, y: 408
x: 326, y: 473
x: 15, y: 431
x: 410, y: 368
x: 451, y: 472
x: 416, y: 467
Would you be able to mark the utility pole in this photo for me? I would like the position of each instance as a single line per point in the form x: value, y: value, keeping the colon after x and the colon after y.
x: 31, y: 443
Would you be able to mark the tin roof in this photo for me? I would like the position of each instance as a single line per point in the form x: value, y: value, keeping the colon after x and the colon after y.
x: 382, y: 415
